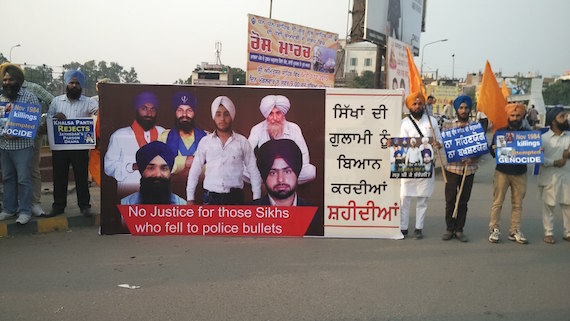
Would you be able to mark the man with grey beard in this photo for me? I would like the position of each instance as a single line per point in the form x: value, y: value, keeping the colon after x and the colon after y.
x: 275, y: 126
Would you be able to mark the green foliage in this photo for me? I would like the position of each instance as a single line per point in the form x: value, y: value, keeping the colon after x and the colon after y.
x: 366, y: 80
x: 94, y: 71
x: 238, y: 76
x: 43, y: 76
x: 558, y: 93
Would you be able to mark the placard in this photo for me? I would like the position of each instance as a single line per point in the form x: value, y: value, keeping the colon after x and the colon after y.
x: 19, y: 119
x: 71, y: 134
x: 518, y: 147
x: 463, y: 142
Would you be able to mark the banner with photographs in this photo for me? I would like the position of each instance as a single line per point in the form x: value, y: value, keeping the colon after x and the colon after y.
x: 411, y: 157
x: 71, y: 134
x: 463, y: 142
x: 518, y: 147
x: 289, y: 55
x: 19, y: 119
x: 360, y: 199
x: 398, y: 69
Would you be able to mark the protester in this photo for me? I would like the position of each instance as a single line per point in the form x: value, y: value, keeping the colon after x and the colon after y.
x: 509, y: 175
x: 72, y: 105
x: 280, y: 162
x: 183, y: 139
x: 454, y: 172
x: 554, y: 178
x: 429, y: 105
x: 154, y: 162
x: 226, y: 154
x: 417, y: 124
x: 275, y: 126
x: 120, y: 162
x: 448, y: 110
x: 533, y: 117
x: 16, y: 153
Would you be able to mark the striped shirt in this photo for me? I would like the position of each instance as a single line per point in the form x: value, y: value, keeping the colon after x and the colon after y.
x: 83, y: 107
x: 17, y: 143
x: 457, y: 167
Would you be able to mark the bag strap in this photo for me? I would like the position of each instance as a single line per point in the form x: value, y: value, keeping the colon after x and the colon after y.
x: 416, y: 125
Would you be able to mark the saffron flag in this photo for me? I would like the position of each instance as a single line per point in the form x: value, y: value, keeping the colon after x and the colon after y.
x: 416, y: 83
x: 505, y: 90
x: 491, y: 100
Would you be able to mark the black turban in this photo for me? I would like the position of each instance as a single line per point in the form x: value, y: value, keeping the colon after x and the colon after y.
x: 14, y: 71
x: 149, y: 151
x: 279, y: 148
x: 551, y: 115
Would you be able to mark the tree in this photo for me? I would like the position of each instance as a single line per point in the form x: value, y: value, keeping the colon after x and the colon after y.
x: 95, y: 71
x: 558, y: 93
x: 238, y: 76
x: 366, y: 80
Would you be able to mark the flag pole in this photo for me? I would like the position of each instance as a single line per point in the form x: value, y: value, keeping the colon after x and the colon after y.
x: 437, y: 149
x: 460, y: 191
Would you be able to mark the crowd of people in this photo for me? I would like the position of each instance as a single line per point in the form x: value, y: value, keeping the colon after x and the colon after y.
x: 146, y: 159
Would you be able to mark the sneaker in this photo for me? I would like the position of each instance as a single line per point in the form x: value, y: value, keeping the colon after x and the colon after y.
x: 494, y: 237
x: 23, y: 218
x: 518, y: 237
x: 418, y: 234
x: 5, y: 216
x: 37, y: 210
x: 448, y: 235
x: 461, y: 237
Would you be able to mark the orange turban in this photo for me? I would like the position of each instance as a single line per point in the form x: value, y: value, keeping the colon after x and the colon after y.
x: 412, y: 97
x: 515, y: 106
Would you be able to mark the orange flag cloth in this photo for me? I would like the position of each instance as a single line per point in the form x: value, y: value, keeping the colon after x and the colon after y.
x: 505, y: 90
x: 416, y: 83
x: 491, y: 100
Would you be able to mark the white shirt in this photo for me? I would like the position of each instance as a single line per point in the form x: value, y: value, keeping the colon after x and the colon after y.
x: 418, y: 187
x: 556, y: 180
x: 414, y: 156
x: 83, y: 107
x: 259, y: 135
x: 224, y: 165
x: 121, y: 155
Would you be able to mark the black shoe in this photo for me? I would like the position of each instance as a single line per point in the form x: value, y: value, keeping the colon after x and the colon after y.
x: 448, y: 235
x: 54, y: 212
x: 86, y: 212
x: 461, y: 237
x: 418, y: 234
x: 404, y: 232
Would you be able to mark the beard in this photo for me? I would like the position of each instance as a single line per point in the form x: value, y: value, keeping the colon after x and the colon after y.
x: 417, y: 114
x: 463, y: 119
x: 11, y: 91
x: 282, y: 193
x: 146, y: 123
x: 515, y: 124
x: 155, y: 190
x: 73, y: 93
x: 275, y: 130
x: 564, y: 126
x: 185, y: 124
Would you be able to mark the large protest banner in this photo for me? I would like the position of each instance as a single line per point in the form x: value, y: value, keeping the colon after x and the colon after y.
x: 19, y: 119
x: 519, y: 147
x: 360, y: 198
x: 289, y: 55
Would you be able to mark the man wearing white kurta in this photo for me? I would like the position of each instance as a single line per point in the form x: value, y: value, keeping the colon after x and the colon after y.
x: 554, y: 178
x: 419, y: 188
x: 120, y: 160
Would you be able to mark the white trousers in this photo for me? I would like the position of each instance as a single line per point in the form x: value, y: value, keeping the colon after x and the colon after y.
x: 548, y: 217
x: 421, y: 208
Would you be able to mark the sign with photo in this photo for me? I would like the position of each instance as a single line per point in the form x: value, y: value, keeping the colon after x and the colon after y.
x: 19, y: 119
x: 411, y: 157
x: 71, y: 134
x: 518, y: 147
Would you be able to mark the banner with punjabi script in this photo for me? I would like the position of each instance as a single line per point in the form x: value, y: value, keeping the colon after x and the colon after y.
x: 19, y: 119
x: 289, y: 55
x: 360, y: 198
x: 71, y: 134
x: 411, y: 157
x: 518, y: 147
x: 463, y: 142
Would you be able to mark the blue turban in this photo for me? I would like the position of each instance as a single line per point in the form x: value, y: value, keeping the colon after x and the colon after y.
x: 462, y: 99
x: 551, y: 115
x: 184, y: 98
x: 145, y: 97
x: 68, y: 76
x: 279, y: 148
x: 149, y: 151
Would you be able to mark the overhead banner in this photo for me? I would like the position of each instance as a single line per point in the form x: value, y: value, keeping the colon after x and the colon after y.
x: 360, y: 198
x: 343, y: 165
x: 289, y: 55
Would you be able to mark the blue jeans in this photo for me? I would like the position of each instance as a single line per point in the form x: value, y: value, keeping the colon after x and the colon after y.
x: 17, y: 180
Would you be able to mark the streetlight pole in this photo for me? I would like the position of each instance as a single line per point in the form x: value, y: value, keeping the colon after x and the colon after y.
x: 453, y: 67
x: 14, y: 46
x: 423, y: 49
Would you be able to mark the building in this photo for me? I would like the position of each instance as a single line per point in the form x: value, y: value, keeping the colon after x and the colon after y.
x: 207, y: 74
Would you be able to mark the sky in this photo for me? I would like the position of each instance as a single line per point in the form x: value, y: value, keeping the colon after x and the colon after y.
x: 165, y: 40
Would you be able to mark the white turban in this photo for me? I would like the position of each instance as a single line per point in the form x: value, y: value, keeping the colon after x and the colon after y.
x: 226, y: 102
x: 268, y: 102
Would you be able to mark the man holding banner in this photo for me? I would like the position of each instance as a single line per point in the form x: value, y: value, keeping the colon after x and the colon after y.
x: 417, y: 124
x: 459, y: 174
x: 509, y: 175
x: 71, y: 105
x: 16, y: 152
